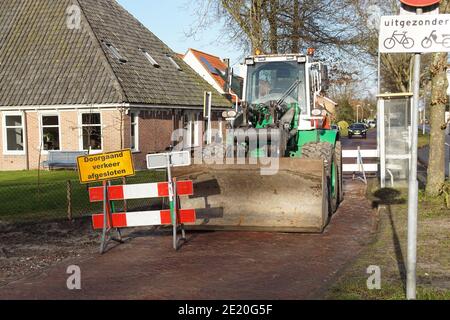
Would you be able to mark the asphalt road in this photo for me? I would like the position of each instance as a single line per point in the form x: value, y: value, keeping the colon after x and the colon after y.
x: 366, y: 144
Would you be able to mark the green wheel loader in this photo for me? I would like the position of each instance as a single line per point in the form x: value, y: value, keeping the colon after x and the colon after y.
x: 281, y: 121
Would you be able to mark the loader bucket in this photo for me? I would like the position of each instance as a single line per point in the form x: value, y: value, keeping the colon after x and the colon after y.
x: 238, y: 197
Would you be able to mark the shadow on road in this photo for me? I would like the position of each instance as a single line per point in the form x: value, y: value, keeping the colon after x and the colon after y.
x: 388, y: 197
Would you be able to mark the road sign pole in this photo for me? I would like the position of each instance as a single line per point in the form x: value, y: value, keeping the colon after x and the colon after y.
x: 105, y: 218
x: 172, y: 200
x: 413, y: 184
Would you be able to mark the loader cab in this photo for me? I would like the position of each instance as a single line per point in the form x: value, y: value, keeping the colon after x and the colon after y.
x: 294, y: 78
x: 271, y: 79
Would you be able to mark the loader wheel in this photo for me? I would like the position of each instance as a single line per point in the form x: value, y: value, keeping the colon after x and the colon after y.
x: 324, y: 150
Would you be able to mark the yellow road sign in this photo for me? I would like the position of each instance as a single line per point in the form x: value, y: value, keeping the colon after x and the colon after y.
x: 105, y: 166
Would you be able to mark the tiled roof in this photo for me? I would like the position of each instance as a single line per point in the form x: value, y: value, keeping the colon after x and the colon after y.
x: 209, y: 60
x: 214, y: 61
x: 43, y: 62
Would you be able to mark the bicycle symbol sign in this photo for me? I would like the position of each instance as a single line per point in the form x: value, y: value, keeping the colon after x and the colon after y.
x: 400, y: 38
x: 415, y: 33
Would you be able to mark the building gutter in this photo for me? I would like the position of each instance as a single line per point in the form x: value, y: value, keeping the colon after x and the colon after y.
x: 112, y: 106
x: 65, y: 107
x: 181, y: 107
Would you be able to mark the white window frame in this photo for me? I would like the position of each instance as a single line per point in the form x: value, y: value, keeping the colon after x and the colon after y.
x: 80, y: 132
x: 4, y: 133
x: 197, y: 137
x: 136, y: 130
x: 41, y: 130
x: 193, y: 121
x: 220, y: 128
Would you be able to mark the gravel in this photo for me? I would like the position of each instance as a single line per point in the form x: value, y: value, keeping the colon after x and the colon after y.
x: 31, y: 248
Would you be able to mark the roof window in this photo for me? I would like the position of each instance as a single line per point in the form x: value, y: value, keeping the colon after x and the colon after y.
x: 174, y: 62
x: 115, y: 52
x: 150, y: 59
x: 211, y: 69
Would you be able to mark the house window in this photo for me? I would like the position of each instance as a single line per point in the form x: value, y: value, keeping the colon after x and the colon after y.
x: 134, y: 131
x: 191, y: 125
x: 50, y: 132
x: 13, y: 134
x: 92, y: 131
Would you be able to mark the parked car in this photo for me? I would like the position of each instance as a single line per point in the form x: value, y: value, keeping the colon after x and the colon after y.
x: 372, y: 123
x: 357, y: 129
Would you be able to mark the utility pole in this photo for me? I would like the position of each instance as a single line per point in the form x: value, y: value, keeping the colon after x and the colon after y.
x: 357, y: 113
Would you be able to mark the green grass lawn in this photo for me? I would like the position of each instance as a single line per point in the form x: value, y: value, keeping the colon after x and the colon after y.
x: 8, y: 178
x: 389, y: 252
x: 24, y: 197
x: 424, y: 139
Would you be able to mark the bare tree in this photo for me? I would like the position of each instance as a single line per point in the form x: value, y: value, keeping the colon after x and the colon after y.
x: 279, y: 26
x: 338, y: 29
x: 439, y: 100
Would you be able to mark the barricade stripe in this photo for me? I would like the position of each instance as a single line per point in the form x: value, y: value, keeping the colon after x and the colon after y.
x: 114, y: 193
x: 96, y: 194
x: 138, y: 219
x: 185, y: 188
x: 140, y: 191
x: 163, y: 189
x: 146, y: 218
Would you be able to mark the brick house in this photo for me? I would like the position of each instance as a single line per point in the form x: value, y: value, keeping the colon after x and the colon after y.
x: 86, y: 75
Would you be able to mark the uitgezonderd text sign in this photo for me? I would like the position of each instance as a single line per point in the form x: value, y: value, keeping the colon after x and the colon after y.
x: 415, y: 33
x: 105, y: 166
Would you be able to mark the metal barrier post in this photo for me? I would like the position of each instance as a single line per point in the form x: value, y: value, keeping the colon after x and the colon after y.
x: 172, y: 200
x: 105, y: 217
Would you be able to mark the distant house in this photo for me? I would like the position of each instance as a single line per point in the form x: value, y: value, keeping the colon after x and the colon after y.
x: 213, y: 69
x: 86, y: 75
x: 329, y: 105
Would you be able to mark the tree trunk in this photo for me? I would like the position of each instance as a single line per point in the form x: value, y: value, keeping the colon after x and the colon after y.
x: 436, y: 165
x: 273, y: 23
x: 439, y: 99
x: 256, y: 17
x: 296, y: 28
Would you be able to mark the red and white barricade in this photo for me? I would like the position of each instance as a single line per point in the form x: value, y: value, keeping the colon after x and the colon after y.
x: 121, y: 220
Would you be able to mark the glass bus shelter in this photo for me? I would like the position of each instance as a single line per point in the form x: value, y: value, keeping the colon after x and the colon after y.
x: 394, y: 138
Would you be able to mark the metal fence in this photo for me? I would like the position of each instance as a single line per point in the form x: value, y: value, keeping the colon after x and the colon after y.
x: 68, y: 199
